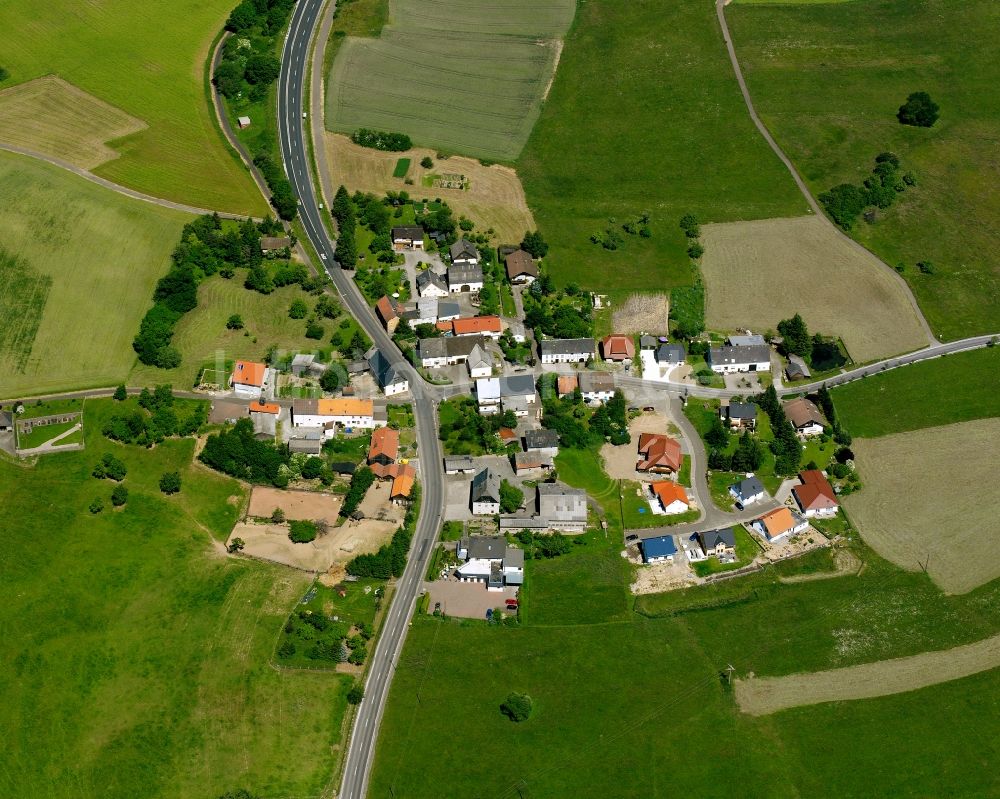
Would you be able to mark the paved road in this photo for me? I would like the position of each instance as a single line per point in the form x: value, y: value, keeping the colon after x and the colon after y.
x: 295, y: 69
x: 720, y: 11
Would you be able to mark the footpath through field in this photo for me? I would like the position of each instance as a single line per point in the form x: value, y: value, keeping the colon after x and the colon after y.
x: 760, y: 696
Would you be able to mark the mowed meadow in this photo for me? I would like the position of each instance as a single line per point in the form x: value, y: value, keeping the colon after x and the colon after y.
x: 645, y: 115
x: 78, y: 267
x: 149, y: 61
x: 828, y: 79
x: 463, y: 77
x: 136, y: 653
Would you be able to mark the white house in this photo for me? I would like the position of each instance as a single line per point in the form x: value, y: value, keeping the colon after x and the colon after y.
x: 567, y: 350
x: 329, y: 414
x: 408, y: 237
x: 658, y: 549
x: 250, y: 379
x: 463, y: 278
x: 431, y: 284
x: 390, y: 379
x: 437, y: 352
x: 488, y: 394
x: 479, y: 363
x: 489, y: 559
x: 596, y: 387
x: 740, y: 358
x: 747, y: 491
x: 780, y: 523
x: 486, y: 493
x: 805, y: 417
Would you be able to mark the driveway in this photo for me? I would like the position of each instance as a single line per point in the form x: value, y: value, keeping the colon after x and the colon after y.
x: 466, y: 600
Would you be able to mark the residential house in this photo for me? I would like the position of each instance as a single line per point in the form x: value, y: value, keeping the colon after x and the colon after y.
x: 490, y: 560
x: 543, y: 440
x: 390, y: 378
x: 739, y: 415
x: 804, y: 416
x: 431, y: 284
x: 270, y: 244
x: 658, y: 453
x: 437, y: 352
x: 815, y: 497
x: 721, y: 543
x: 669, y: 356
x: 748, y: 491
x: 462, y: 278
x: 464, y: 253
x: 265, y: 408
x: 596, y: 387
x: 741, y: 358
x: 388, y: 314
x: 515, y: 393
x: 647, y: 342
x: 521, y: 270
x: 489, y: 326
x: 531, y: 461
x: 507, y: 435
x: 479, y: 363
x: 780, y: 523
x: 424, y: 312
x: 658, y: 549
x: 459, y: 464
x: 328, y: 414
x: 408, y: 237
x: 486, y: 493
x: 448, y: 311
x: 566, y: 384
x: 249, y: 379
x: 617, y: 348
x: 797, y: 368
x: 567, y: 350
x: 563, y: 508
x: 488, y: 395
x: 6, y: 422
x: 672, y: 496
x: 383, y: 450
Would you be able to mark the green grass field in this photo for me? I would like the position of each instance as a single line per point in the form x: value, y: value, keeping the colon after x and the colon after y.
x: 462, y: 77
x: 832, y: 107
x: 86, y: 263
x: 39, y: 435
x: 136, y: 655
x: 148, y: 61
x: 645, y: 115
x: 956, y: 388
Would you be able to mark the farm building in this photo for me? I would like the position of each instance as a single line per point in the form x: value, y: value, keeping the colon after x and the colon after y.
x: 567, y: 350
x: 796, y: 368
x: 464, y: 278
x: 542, y: 439
x: 431, y: 284
x: 562, y: 508
x: 478, y: 326
x: 274, y: 243
x: 531, y: 461
x: 464, y: 253
x: 438, y: 352
x: 327, y: 414
x: 459, y: 464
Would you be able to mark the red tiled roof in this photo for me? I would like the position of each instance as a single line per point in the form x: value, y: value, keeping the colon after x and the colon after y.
x: 476, y: 324
x: 385, y: 310
x: 658, y: 451
x: 566, y: 384
x: 385, y: 442
x: 402, y: 483
x: 815, y: 493
x: 265, y: 407
x: 618, y: 348
x: 668, y: 491
x: 249, y: 373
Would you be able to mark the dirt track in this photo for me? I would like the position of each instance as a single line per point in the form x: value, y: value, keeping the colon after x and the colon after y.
x: 303, y: 505
x: 763, y: 695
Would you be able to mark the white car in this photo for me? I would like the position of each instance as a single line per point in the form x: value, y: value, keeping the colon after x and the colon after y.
x: 322, y: 255
x: 303, y: 114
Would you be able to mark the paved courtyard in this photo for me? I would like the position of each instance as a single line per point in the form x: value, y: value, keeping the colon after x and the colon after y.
x: 466, y: 600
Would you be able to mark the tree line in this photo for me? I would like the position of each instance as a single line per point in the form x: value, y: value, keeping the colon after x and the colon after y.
x: 846, y: 201
x: 390, y: 560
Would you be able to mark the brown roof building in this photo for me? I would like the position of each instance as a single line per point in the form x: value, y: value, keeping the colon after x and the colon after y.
x: 520, y: 267
x: 658, y: 453
x: 618, y: 348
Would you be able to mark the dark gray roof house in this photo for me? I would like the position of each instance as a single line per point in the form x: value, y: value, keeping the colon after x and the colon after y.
x: 430, y: 278
x: 740, y: 411
x: 670, y: 353
x: 6, y: 421
x: 486, y: 486
x: 740, y: 355
x: 408, y: 233
x: 710, y: 539
x: 462, y: 274
x: 796, y: 369
x: 385, y: 374
x: 745, y: 489
x: 463, y: 250
x: 647, y: 343
x: 541, y: 438
x: 517, y: 385
x: 567, y: 346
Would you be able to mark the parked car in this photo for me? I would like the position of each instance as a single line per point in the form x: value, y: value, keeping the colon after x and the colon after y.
x: 649, y: 409
x: 632, y: 537
x: 512, y: 604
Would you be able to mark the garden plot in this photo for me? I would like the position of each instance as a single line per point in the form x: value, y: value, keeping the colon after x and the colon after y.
x: 929, y: 499
x: 642, y: 313
x: 459, y: 76
x: 758, y: 273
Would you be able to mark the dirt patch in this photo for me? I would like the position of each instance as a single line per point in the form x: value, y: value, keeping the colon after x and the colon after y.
x: 656, y: 578
x: 493, y: 198
x: 619, y: 462
x: 303, y: 505
x: 376, y: 504
x: 758, y: 273
x: 642, y: 313
x: 271, y: 542
x: 763, y: 695
x: 50, y: 116
x: 932, y: 512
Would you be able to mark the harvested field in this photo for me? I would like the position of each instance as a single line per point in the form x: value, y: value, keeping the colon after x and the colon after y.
x: 758, y: 273
x: 301, y: 505
x: 493, y: 197
x: 457, y: 75
x: 760, y: 696
x: 933, y: 511
x: 55, y: 118
x: 642, y: 313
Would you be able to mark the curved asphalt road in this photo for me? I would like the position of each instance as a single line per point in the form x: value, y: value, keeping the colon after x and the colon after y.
x: 295, y: 154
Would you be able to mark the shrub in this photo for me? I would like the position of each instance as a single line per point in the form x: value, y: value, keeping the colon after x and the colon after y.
x: 919, y: 110
x: 278, y: 516
x: 381, y: 140
x: 119, y: 496
x: 298, y: 309
x: 516, y: 707
x: 234, y: 322
x: 925, y: 267
x: 357, y: 691
x: 121, y: 394
x: 534, y: 244
x: 170, y: 482
x: 357, y: 656
x: 695, y: 250
x: 236, y: 545
x: 314, y: 330
x: 689, y: 224
x: 96, y: 506
x: 312, y: 468
x: 302, y: 531
x: 426, y: 162
x: 511, y: 497
x: 286, y: 650
x: 361, y: 481
x: 110, y: 467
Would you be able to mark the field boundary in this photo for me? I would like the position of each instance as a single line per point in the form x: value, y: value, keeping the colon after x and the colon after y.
x: 761, y: 696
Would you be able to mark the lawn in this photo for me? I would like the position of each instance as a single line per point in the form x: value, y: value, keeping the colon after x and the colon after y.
x: 645, y: 115
x: 33, y: 410
x: 149, y: 674
x: 832, y: 107
x: 456, y: 426
x: 492, y: 62
x: 148, y: 61
x: 746, y: 550
x: 39, y: 435
x: 78, y: 264
x: 956, y: 388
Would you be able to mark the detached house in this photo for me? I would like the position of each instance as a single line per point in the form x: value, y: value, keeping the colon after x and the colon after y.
x: 408, y: 237
x: 567, y: 350
x: 669, y: 356
x: 658, y: 453
x: 543, y: 440
x: 739, y: 415
x: 671, y: 496
x: 815, y: 497
x: 805, y: 417
x: 658, y: 549
x: 388, y: 314
x: 596, y: 387
x: 617, y: 348
x: 249, y: 379
x: 464, y: 278
x: 485, y: 499
x: 479, y: 363
x: 464, y: 253
x: 490, y: 560
x: 431, y: 284
x: 780, y: 523
x: 521, y: 269
x: 720, y: 543
x: 740, y: 358
x: 748, y: 491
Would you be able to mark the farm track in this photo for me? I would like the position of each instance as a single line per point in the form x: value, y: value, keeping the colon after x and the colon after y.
x: 720, y: 9
x: 761, y: 696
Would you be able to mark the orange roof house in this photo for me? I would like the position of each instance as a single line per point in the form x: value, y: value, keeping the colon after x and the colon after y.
x: 384, y: 448
x: 566, y: 384
x: 618, y: 348
x: 507, y: 435
x: 257, y: 406
x: 386, y: 310
x: 402, y: 483
x: 815, y: 495
x: 658, y: 453
x: 477, y: 325
x: 779, y: 523
x: 249, y: 373
x: 670, y: 493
